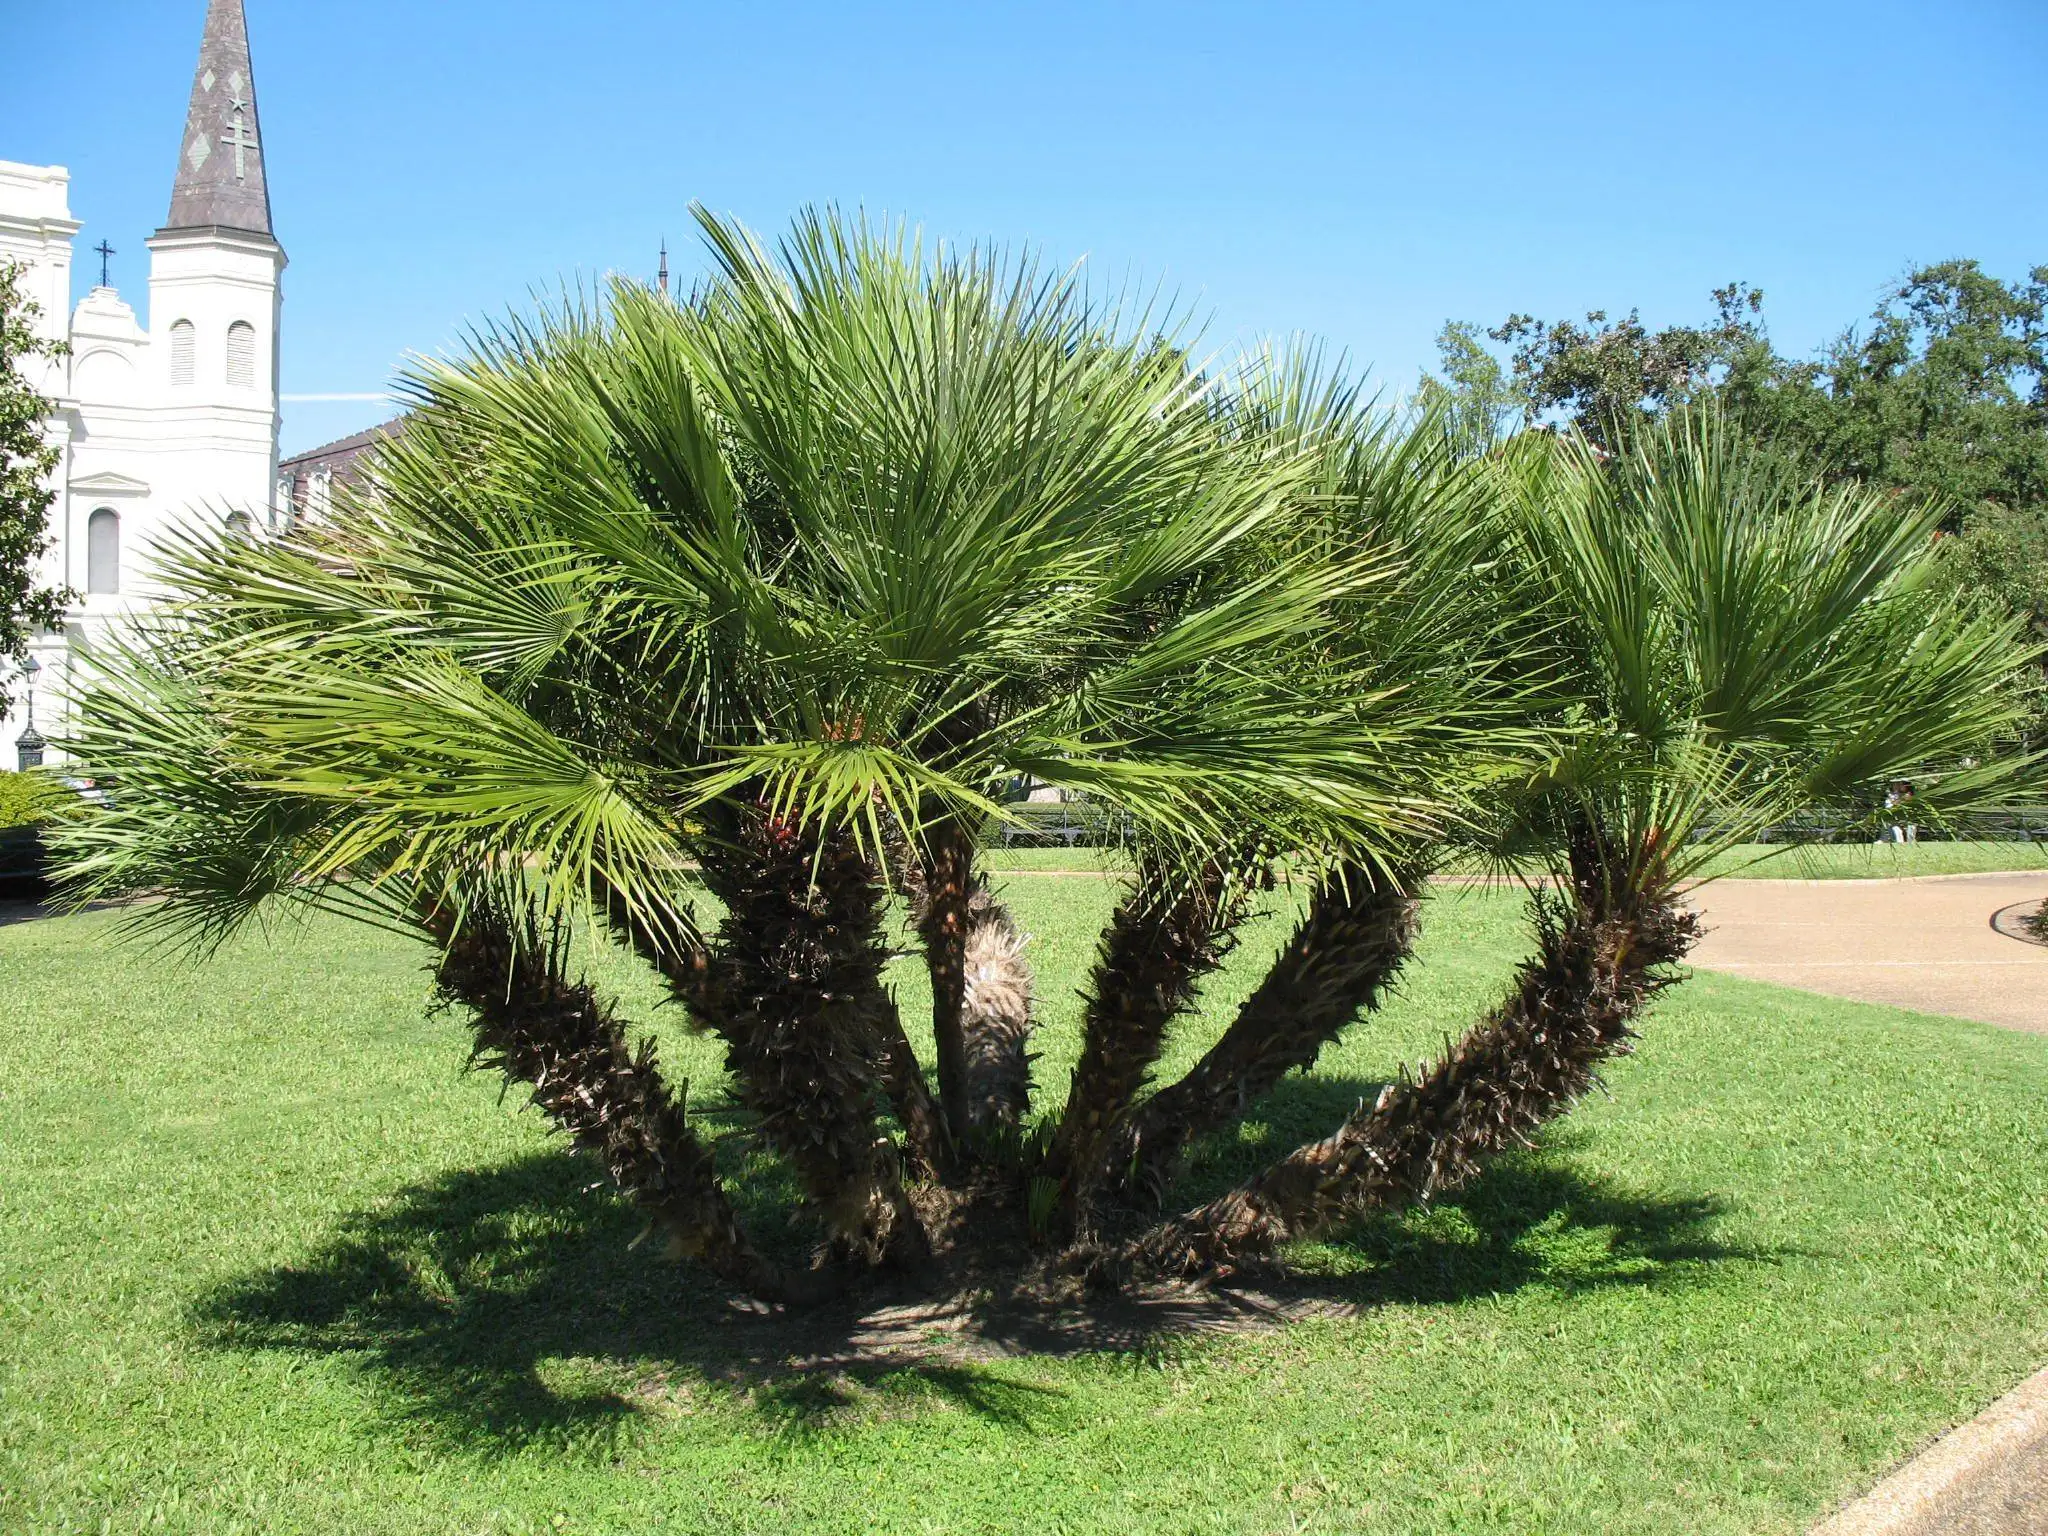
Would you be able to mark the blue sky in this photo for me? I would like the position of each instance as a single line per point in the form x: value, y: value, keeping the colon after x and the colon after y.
x: 1361, y: 171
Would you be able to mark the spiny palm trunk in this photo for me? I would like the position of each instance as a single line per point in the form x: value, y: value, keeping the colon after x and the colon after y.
x: 924, y: 1128
x: 793, y: 986
x: 982, y: 986
x: 560, y: 1039
x: 996, y: 1021
x: 1601, y: 957
x: 691, y: 972
x: 1352, y: 941
x: 1164, y: 936
x: 942, y: 918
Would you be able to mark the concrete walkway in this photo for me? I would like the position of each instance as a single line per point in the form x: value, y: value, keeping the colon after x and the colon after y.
x: 1928, y: 944
x: 1987, y: 1478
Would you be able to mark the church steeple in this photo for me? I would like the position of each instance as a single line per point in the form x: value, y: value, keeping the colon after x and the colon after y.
x: 220, y: 182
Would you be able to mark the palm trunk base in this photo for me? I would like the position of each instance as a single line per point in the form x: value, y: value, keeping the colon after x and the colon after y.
x: 1356, y: 934
x: 794, y: 987
x: 1167, y: 934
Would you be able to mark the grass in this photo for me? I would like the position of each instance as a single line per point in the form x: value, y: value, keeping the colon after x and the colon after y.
x: 1756, y: 861
x: 270, y: 1261
x: 1879, y: 861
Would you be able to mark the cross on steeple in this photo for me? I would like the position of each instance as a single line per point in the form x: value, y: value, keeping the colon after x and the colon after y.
x: 241, y: 141
x: 105, y: 252
x: 214, y: 190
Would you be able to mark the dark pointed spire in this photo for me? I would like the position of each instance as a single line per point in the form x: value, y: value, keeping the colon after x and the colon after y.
x: 220, y: 163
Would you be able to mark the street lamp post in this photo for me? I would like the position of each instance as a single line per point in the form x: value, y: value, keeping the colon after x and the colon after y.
x: 28, y: 746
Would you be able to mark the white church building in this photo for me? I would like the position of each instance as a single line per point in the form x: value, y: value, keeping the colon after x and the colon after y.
x: 163, y: 422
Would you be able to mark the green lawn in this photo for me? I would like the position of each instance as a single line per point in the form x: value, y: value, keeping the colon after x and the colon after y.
x: 271, y: 1262
x: 1841, y: 861
x: 1879, y: 861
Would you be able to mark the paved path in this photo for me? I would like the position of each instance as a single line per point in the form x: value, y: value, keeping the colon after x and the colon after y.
x: 1926, y: 944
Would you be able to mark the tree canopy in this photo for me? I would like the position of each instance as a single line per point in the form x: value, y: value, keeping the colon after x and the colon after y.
x: 26, y: 458
x: 1942, y: 395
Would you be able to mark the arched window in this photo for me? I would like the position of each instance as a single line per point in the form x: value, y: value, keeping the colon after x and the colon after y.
x: 103, y: 552
x: 242, y: 355
x: 184, y: 352
x: 240, y: 528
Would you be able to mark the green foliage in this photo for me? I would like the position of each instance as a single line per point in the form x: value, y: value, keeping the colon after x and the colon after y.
x: 1943, y: 395
x: 854, y: 538
x: 26, y: 459
x: 32, y: 799
x: 1605, y: 376
x: 1746, y: 644
x: 1479, y: 404
x: 1941, y: 398
x: 1946, y: 394
x: 852, y: 529
x: 2003, y: 552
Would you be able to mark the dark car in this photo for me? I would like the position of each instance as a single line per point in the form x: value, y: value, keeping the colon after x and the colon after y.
x: 24, y: 853
x: 24, y: 864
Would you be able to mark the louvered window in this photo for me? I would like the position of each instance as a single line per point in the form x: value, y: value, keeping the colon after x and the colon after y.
x: 242, y: 355
x: 103, y: 552
x: 184, y: 352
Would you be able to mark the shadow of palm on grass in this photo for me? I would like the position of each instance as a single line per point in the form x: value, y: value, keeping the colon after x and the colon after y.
x: 1534, y: 1218
x: 503, y: 1305
x: 509, y: 1304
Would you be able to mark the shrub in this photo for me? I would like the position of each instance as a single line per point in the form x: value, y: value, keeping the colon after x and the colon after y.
x: 31, y: 799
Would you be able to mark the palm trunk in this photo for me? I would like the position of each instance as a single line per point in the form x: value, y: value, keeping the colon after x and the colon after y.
x: 943, y: 920
x: 690, y: 975
x: 982, y: 986
x: 558, y: 1038
x: 924, y: 1129
x: 1600, y: 960
x: 996, y: 1021
x: 1165, y: 935
x: 1352, y: 941
x: 793, y: 986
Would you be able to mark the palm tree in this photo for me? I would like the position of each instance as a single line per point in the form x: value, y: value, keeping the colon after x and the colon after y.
x: 768, y: 593
x: 738, y: 594
x: 1736, y: 646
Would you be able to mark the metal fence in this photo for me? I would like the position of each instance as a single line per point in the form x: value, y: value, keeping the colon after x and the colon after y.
x: 2029, y: 825
x: 1081, y: 824
x: 1055, y: 824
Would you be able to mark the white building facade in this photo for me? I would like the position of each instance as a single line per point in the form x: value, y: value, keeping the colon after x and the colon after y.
x: 163, y: 424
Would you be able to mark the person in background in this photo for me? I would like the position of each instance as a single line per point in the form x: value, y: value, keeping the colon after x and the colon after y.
x: 1897, y: 805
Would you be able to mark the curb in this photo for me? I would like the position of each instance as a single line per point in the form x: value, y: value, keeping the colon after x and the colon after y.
x: 1988, y: 1477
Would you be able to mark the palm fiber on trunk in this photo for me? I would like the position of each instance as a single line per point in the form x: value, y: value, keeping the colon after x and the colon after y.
x: 1164, y: 936
x: 995, y: 1015
x: 940, y: 912
x: 690, y: 973
x: 793, y: 986
x: 560, y: 1039
x: 1352, y: 941
x: 1600, y: 959
x: 982, y: 986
